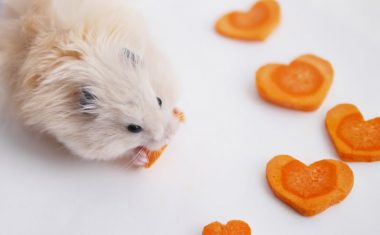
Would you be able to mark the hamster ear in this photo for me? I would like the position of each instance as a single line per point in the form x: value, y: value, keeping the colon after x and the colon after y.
x: 87, y: 100
x: 130, y: 56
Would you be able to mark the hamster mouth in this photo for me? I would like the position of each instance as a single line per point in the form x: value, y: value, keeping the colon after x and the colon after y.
x: 157, y: 145
x: 139, y: 148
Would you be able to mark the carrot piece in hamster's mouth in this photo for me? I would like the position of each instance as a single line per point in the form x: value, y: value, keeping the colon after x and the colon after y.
x: 153, y: 156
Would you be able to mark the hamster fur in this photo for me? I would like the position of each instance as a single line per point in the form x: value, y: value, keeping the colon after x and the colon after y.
x: 87, y: 73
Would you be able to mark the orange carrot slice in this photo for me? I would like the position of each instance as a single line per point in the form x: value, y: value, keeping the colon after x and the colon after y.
x: 309, y: 189
x: 355, y: 139
x: 234, y: 227
x: 302, y: 85
x: 179, y: 115
x: 153, y: 156
x: 255, y: 25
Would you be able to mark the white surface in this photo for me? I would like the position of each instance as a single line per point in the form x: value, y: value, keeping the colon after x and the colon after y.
x: 215, y: 168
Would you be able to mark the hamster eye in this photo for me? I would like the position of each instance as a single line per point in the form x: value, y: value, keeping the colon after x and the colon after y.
x: 134, y: 129
x: 131, y: 56
x: 86, y: 96
x: 159, y: 101
x: 87, y: 100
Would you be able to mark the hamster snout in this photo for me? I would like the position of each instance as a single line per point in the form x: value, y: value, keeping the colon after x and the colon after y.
x: 94, y: 80
x: 164, y: 135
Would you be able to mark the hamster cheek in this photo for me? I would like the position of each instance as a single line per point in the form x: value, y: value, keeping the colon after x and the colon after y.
x: 172, y: 128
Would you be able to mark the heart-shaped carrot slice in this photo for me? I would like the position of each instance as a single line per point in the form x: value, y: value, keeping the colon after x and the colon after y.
x: 153, y: 156
x: 234, y: 227
x: 309, y: 189
x: 301, y: 85
x: 255, y: 25
x: 355, y: 139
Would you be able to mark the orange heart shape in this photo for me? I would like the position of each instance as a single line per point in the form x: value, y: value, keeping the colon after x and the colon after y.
x: 355, y: 139
x: 301, y: 85
x: 256, y: 24
x: 234, y: 227
x: 309, y: 189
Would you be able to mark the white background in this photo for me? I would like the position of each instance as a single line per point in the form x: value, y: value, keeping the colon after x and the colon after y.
x: 215, y: 167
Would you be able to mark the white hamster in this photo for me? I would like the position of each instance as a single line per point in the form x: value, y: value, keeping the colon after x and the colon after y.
x: 87, y: 73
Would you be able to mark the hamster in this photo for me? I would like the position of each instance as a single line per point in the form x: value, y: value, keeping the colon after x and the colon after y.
x: 87, y: 73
